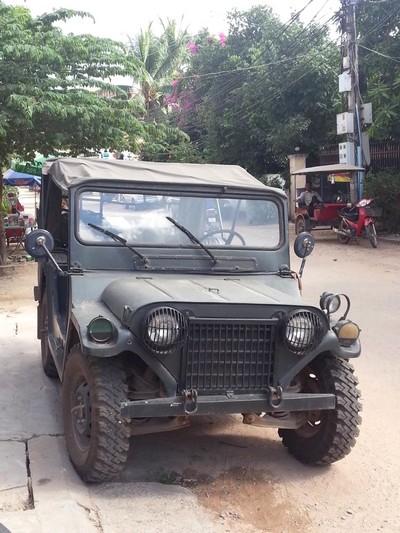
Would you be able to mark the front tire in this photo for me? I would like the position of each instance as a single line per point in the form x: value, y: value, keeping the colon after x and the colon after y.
x: 328, y: 435
x: 370, y: 230
x: 97, y: 435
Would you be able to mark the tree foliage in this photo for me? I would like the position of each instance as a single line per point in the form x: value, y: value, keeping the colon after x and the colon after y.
x: 250, y: 98
x: 158, y: 59
x: 385, y: 187
x: 55, y: 91
x: 378, y: 26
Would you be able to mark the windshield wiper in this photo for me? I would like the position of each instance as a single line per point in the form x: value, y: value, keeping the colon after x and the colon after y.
x: 117, y: 238
x: 192, y: 237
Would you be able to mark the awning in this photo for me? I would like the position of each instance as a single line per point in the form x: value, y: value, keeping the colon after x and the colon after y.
x: 337, y: 168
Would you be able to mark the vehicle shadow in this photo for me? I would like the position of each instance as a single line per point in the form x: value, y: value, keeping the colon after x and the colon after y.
x: 210, y: 447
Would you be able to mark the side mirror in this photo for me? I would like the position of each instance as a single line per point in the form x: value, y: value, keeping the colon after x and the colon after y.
x: 39, y: 243
x: 304, y: 244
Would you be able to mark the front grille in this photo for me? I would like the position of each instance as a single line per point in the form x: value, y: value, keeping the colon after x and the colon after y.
x: 230, y: 355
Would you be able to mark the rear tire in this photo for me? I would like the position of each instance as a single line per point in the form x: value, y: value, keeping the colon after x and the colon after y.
x: 97, y: 435
x: 300, y: 225
x: 342, y: 238
x: 328, y: 435
x: 370, y: 230
x: 48, y: 364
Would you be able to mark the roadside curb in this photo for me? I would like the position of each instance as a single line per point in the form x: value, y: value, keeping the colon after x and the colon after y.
x: 13, y: 267
x: 394, y: 239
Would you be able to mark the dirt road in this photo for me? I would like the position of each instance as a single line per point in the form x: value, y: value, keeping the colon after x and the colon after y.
x: 242, y: 476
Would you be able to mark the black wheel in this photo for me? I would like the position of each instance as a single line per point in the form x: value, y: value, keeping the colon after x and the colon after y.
x: 231, y: 235
x: 97, y: 435
x: 48, y: 364
x: 343, y: 238
x: 300, y: 225
x: 328, y: 435
x: 370, y: 230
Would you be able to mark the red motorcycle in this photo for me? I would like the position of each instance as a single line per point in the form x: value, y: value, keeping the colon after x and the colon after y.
x: 357, y: 217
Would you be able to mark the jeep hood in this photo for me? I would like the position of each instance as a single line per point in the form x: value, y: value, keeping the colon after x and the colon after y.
x: 142, y: 291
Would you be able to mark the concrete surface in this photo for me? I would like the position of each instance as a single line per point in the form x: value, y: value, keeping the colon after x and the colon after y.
x: 251, y: 483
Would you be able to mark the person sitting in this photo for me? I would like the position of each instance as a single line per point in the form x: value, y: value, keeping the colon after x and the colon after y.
x: 309, y: 199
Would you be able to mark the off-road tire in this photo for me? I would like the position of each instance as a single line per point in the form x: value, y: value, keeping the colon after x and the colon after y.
x: 328, y: 435
x: 48, y: 364
x: 342, y: 238
x: 97, y: 435
x: 370, y: 231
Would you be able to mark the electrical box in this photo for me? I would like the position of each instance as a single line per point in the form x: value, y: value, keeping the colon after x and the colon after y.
x: 346, y: 153
x: 345, y: 82
x: 346, y: 62
x: 366, y: 114
x: 345, y: 123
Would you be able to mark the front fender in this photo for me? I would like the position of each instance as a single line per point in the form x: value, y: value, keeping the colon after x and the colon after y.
x: 330, y: 344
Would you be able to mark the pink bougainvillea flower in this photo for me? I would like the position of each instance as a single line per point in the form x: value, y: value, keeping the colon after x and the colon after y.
x: 174, y: 83
x: 222, y: 39
x: 192, y: 47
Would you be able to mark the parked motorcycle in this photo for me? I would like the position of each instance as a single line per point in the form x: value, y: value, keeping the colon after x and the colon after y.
x: 357, y: 217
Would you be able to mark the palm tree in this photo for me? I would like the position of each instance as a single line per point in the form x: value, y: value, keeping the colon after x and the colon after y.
x: 159, y: 60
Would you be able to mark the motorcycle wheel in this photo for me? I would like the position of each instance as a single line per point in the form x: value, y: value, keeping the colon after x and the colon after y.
x: 371, y: 234
x: 342, y: 238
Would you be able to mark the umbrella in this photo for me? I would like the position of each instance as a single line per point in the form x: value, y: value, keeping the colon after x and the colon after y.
x: 20, y: 179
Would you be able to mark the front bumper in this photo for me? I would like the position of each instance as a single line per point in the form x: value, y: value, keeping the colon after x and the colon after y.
x: 189, y: 403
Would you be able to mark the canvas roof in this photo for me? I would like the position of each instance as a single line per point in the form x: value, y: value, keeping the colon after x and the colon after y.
x: 67, y: 172
x: 338, y: 167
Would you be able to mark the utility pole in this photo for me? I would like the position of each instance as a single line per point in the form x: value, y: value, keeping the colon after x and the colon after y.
x: 354, y: 97
x: 351, y: 121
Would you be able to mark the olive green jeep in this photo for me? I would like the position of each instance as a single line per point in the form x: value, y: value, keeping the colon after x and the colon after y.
x: 165, y: 292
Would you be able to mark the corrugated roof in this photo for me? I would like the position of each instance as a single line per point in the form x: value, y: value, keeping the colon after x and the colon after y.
x: 338, y: 167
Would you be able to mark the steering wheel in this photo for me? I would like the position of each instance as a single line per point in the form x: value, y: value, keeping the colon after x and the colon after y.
x: 228, y: 241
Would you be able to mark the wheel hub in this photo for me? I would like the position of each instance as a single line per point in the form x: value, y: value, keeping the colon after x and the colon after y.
x: 81, y: 411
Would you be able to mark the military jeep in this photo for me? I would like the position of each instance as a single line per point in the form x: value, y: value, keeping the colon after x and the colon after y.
x: 165, y: 292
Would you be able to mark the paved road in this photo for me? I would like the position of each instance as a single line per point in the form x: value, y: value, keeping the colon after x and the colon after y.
x: 217, y: 475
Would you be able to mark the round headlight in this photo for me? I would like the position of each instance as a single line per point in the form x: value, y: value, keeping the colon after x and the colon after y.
x: 303, y: 331
x: 330, y: 302
x: 165, y: 329
x: 100, y: 330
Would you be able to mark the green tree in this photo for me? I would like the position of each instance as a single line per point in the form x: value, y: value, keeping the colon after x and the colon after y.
x: 378, y: 26
x: 266, y: 88
x: 55, y: 91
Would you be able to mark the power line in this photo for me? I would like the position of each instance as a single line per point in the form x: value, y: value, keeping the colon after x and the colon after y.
x: 395, y: 59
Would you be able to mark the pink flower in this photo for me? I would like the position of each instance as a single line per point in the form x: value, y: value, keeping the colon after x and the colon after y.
x: 174, y: 83
x: 222, y: 39
x: 192, y: 47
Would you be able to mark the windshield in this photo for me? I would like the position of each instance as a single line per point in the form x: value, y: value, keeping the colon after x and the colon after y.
x: 157, y: 220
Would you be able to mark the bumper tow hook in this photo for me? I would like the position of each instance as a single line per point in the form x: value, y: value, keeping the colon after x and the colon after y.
x: 189, y: 399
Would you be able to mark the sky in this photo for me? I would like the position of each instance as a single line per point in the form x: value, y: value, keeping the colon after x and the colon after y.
x: 121, y: 18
